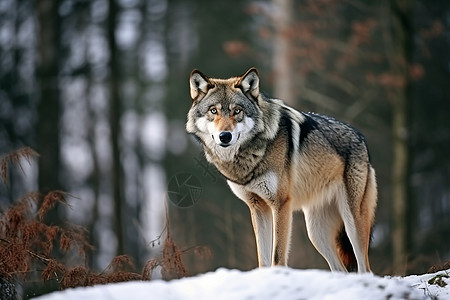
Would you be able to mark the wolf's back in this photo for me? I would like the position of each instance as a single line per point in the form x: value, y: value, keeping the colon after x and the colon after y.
x: 347, y: 141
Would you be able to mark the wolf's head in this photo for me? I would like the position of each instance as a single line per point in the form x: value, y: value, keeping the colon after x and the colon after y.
x: 224, y: 112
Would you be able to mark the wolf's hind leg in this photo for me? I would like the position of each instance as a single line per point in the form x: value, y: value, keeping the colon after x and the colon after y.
x: 261, y: 215
x: 358, y: 232
x: 323, y: 224
x: 358, y: 215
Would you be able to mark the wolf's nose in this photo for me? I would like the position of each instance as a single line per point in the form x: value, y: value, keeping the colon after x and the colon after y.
x: 225, y: 137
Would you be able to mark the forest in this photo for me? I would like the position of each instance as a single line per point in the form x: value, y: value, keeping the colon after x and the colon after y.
x: 93, y: 103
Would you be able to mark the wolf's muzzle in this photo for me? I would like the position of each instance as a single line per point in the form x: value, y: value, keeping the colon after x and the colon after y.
x: 225, y: 138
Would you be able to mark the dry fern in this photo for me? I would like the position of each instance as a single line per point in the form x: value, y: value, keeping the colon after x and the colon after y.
x: 52, y: 270
x: 437, y: 268
x: 50, y: 200
x: 172, y: 264
x: 120, y: 263
x: 27, y: 244
x: 122, y: 276
x: 149, y: 266
x: 114, y: 272
x: 75, y: 277
x: 14, y: 158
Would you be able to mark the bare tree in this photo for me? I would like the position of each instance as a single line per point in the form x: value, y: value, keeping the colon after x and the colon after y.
x: 282, y: 62
x: 49, y: 95
x: 400, y: 57
x: 114, y: 120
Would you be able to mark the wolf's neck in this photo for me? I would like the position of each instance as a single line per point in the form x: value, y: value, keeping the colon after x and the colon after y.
x: 242, y: 163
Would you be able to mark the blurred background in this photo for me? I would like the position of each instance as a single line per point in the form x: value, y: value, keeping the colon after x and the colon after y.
x: 100, y: 90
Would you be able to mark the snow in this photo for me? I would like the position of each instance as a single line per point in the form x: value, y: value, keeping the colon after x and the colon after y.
x: 267, y: 283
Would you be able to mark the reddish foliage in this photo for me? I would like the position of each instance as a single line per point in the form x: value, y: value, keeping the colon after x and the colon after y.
x: 436, y: 30
x: 50, y: 200
x: 52, y: 270
x: 121, y: 262
x: 437, y: 268
x: 235, y: 48
x: 27, y: 244
x: 75, y: 277
x: 416, y: 71
x: 14, y: 157
x: 148, y: 268
x: 362, y: 32
x: 172, y: 264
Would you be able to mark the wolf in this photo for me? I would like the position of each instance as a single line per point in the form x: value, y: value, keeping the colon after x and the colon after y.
x: 279, y: 160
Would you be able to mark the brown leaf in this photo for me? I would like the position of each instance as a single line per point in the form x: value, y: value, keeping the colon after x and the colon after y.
x: 52, y: 270
x: 50, y: 200
x: 14, y: 157
x: 121, y: 276
x: 121, y: 263
x: 149, y: 267
x: 172, y: 263
x: 77, y: 276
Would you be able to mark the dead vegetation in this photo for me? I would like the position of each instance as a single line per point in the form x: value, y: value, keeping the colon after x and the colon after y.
x: 15, y: 157
x: 436, y: 268
x: 28, y: 245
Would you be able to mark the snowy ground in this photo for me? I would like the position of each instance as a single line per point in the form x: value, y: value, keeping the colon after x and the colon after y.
x: 268, y: 283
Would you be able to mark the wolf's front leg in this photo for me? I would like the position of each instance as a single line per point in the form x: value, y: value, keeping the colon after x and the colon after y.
x: 282, y: 223
x: 262, y: 225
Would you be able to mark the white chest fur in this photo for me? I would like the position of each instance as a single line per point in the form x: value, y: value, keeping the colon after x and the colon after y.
x: 265, y: 186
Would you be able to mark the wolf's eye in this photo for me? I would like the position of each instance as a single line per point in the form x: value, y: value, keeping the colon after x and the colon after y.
x: 237, y: 111
x: 213, y: 110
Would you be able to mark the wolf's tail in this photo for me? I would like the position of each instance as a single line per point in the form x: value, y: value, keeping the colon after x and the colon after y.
x: 345, y: 251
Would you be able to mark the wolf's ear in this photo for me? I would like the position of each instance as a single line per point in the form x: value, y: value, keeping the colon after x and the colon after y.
x: 249, y: 83
x: 199, y: 84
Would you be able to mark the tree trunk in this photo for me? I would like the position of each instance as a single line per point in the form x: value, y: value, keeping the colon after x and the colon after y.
x: 114, y: 120
x: 402, y: 56
x: 400, y: 180
x: 282, y: 63
x: 49, y: 96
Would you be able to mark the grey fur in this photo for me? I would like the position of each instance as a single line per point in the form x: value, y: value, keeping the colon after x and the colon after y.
x: 281, y: 160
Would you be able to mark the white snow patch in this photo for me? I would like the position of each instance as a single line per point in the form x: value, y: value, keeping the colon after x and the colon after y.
x: 267, y: 283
